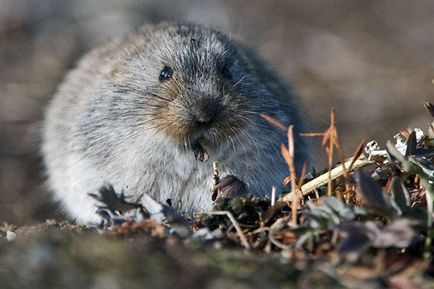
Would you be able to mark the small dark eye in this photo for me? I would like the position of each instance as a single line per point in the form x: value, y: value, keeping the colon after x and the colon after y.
x: 226, y: 72
x: 166, y: 73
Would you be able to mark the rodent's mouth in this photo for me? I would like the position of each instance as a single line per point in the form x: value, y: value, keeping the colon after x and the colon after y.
x: 200, y: 143
x: 199, y: 152
x: 202, y: 139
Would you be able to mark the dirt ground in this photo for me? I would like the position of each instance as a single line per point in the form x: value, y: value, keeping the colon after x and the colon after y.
x: 371, y: 60
x: 49, y: 257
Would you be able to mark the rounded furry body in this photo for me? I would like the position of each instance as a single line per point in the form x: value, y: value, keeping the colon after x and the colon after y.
x: 129, y: 112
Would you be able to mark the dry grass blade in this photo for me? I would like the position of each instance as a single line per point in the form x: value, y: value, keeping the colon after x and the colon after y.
x: 311, y: 134
x: 288, y: 155
x: 285, y: 153
x: 341, y: 156
x: 329, y: 140
x: 405, y: 134
x: 303, y: 175
x: 291, y: 144
x: 337, y: 145
x: 290, y: 160
x: 237, y: 227
x: 357, y: 154
x: 273, y: 121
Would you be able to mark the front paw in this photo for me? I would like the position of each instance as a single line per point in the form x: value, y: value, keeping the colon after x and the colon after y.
x: 228, y: 187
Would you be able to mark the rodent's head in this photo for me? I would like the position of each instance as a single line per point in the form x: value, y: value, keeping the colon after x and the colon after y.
x: 196, y: 83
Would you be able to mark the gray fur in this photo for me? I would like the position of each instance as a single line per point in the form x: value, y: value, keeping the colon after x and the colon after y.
x: 113, y: 121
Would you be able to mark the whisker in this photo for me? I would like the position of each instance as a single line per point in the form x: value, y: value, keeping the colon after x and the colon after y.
x: 239, y: 81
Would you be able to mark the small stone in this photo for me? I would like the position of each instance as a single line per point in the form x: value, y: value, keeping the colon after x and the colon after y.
x: 10, y: 236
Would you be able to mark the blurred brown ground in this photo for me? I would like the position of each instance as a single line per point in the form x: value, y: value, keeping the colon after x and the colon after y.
x: 371, y: 60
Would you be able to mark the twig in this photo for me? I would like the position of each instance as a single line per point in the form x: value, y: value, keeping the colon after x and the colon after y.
x: 341, y: 155
x: 216, y: 177
x: 271, y: 238
x: 236, y: 226
x: 330, y: 151
x: 273, y: 196
x: 323, y: 179
x: 296, y: 201
x: 215, y: 180
x: 329, y: 141
x: 288, y: 155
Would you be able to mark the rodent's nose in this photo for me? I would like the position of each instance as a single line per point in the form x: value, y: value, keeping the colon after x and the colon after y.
x: 204, y: 114
x: 203, y: 118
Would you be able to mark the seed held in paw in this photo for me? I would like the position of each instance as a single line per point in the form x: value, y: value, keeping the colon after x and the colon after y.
x: 199, y: 152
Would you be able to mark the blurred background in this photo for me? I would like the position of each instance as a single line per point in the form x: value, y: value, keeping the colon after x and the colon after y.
x: 371, y: 60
